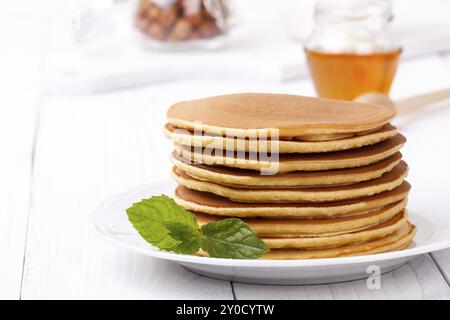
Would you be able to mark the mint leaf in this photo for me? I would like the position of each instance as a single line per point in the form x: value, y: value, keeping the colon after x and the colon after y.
x: 231, y: 238
x: 166, y: 225
x: 189, y: 238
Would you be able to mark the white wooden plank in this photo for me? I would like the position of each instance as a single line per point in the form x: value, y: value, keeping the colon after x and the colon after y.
x: 16, y: 136
x: 442, y: 259
x: 21, y: 31
x: 418, y: 279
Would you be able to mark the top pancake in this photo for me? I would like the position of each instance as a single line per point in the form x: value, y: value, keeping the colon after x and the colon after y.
x: 261, y: 114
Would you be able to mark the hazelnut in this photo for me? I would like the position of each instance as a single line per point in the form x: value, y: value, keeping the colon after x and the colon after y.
x: 194, y: 20
x: 180, y: 30
x: 155, y: 30
x: 168, y: 16
x: 143, y: 5
x: 153, y: 12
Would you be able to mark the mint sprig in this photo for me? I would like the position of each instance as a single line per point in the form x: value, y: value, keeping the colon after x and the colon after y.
x: 168, y: 226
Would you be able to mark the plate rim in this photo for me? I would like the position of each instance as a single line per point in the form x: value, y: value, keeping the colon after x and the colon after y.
x: 260, y: 263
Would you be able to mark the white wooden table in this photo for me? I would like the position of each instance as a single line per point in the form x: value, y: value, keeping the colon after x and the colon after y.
x: 60, y: 156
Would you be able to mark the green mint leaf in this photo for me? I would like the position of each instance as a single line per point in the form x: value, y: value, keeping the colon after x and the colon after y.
x: 166, y: 225
x: 231, y: 238
x: 189, y: 239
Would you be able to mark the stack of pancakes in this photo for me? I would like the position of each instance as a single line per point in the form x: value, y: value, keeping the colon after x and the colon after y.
x: 314, y: 178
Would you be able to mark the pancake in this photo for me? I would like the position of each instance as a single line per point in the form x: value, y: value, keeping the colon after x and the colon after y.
x: 242, y: 178
x: 388, y: 181
x: 398, y: 240
x: 260, y: 114
x: 375, y: 232
x: 305, y: 228
x: 294, y: 161
x: 215, y: 205
x: 188, y: 138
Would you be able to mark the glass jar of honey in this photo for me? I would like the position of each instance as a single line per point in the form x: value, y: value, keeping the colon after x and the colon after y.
x: 349, y: 52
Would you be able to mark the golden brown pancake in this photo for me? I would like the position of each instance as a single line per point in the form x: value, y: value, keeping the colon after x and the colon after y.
x: 397, y: 240
x: 215, y: 205
x: 306, y: 228
x: 256, y: 114
x: 294, y: 161
x: 388, y: 181
x: 375, y: 232
x: 189, y: 138
x: 242, y: 178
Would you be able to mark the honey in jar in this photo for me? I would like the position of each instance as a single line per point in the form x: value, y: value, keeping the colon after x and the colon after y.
x: 349, y: 52
x: 348, y: 75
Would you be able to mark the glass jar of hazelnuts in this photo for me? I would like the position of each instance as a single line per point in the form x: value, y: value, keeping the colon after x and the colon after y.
x: 183, y: 24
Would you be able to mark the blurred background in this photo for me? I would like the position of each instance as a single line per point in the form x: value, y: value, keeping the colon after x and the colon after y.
x: 94, y: 46
x: 105, y: 45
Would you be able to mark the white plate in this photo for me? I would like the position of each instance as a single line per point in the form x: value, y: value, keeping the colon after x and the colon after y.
x: 111, y: 220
